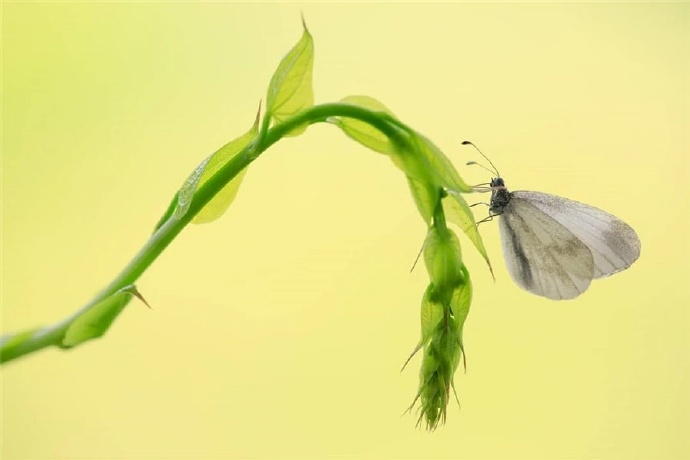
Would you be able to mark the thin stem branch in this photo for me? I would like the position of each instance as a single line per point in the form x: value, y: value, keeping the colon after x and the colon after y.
x: 13, y: 346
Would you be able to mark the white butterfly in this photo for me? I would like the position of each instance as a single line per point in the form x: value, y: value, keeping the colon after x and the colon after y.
x: 554, y: 247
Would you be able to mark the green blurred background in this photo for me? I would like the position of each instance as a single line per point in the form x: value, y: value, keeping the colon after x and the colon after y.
x: 279, y: 331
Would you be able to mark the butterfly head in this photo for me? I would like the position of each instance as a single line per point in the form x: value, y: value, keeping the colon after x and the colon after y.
x: 500, y: 196
x: 497, y: 182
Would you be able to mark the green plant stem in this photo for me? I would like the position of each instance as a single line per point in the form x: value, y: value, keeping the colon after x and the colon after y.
x: 439, y: 215
x: 13, y: 346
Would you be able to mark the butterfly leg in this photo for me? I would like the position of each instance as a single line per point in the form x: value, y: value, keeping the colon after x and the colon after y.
x: 481, y: 188
x: 489, y: 218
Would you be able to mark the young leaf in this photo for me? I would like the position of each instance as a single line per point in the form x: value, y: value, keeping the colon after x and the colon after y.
x: 425, y: 197
x: 411, y: 161
x: 290, y: 90
x: 220, y: 203
x: 443, y: 261
x: 432, y: 314
x: 95, y: 321
x: 439, y: 165
x: 429, y: 161
x: 362, y: 132
x: 461, y: 299
x: 460, y: 304
x: 456, y: 211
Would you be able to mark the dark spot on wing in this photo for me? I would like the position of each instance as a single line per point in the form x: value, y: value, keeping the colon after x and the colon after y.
x: 525, y: 269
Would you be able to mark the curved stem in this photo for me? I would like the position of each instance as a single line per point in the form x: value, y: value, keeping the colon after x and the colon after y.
x: 13, y: 346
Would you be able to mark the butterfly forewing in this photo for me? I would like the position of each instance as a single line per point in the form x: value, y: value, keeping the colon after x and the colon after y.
x: 542, y: 255
x: 613, y: 243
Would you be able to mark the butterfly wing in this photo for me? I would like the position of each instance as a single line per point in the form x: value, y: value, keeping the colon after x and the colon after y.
x: 543, y: 256
x: 613, y: 243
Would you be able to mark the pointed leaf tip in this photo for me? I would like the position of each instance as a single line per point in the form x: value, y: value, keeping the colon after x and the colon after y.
x: 290, y: 90
x: 304, y: 23
x: 135, y: 292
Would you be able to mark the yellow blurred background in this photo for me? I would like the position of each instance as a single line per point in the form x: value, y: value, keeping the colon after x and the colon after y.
x: 279, y: 331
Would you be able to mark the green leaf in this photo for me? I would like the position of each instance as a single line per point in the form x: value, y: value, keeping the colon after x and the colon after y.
x: 425, y: 194
x: 425, y: 197
x: 442, y: 257
x: 221, y: 202
x: 363, y: 132
x: 456, y: 211
x: 425, y: 166
x: 432, y: 314
x: 406, y: 157
x: 461, y: 299
x: 411, y: 160
x: 439, y: 166
x: 210, y: 166
x: 290, y: 90
x: 95, y: 321
x: 460, y: 305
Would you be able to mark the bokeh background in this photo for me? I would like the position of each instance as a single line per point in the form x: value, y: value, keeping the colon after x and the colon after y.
x: 279, y: 331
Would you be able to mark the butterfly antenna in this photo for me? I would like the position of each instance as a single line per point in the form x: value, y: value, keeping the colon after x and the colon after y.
x: 485, y: 157
x: 471, y: 163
